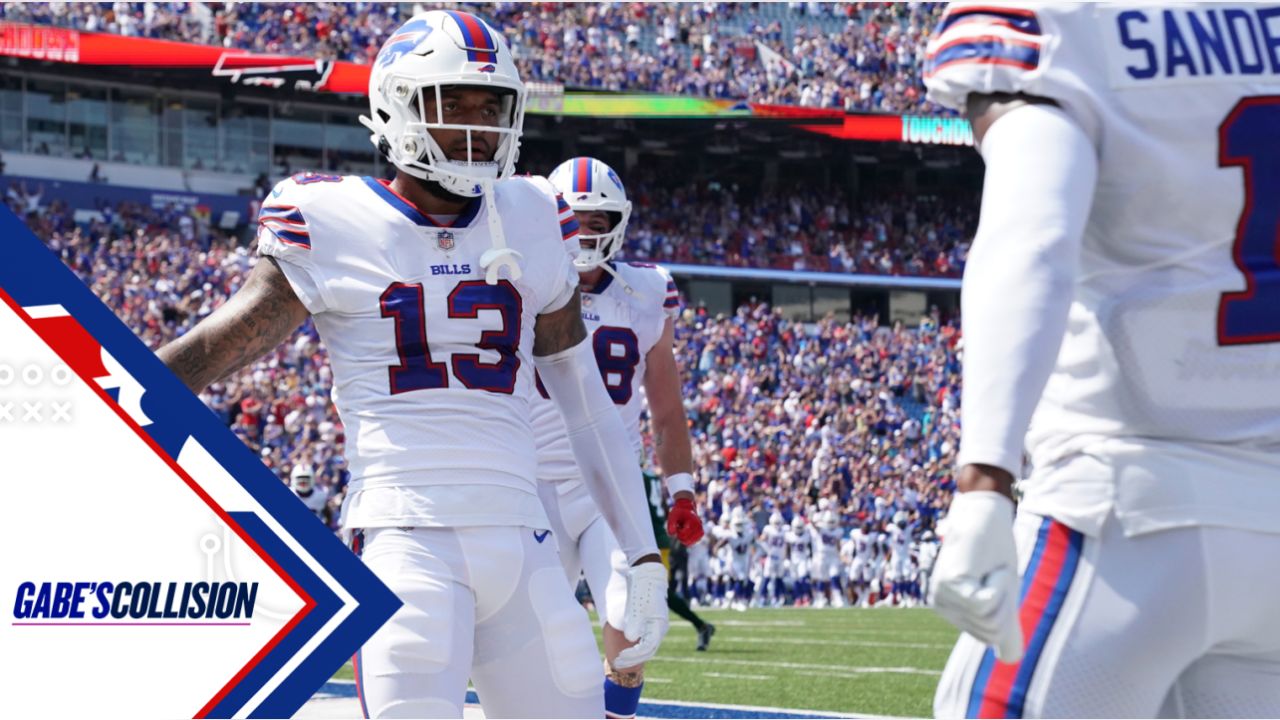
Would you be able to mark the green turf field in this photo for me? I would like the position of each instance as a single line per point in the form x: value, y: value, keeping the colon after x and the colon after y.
x: 880, y: 661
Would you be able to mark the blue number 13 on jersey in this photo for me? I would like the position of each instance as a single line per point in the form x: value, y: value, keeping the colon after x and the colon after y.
x: 1250, y: 138
x: 405, y: 303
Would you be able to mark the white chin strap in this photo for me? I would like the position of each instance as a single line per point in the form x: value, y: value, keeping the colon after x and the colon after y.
x: 498, y: 256
x: 629, y: 290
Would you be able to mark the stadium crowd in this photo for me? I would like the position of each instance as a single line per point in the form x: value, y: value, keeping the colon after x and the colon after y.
x: 783, y: 414
x: 708, y: 224
x: 860, y: 56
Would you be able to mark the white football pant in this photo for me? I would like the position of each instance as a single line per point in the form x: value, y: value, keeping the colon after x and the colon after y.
x: 1175, y: 623
x: 486, y: 603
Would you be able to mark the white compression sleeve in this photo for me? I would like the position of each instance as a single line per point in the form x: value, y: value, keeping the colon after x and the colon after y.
x: 1020, y: 277
x: 600, y: 445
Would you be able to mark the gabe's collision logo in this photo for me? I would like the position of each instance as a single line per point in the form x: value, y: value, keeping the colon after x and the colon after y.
x: 273, y: 71
x: 146, y: 601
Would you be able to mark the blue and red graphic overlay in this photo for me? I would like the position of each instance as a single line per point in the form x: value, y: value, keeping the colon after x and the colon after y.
x: 165, y: 415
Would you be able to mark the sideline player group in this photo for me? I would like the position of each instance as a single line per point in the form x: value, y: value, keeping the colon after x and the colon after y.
x: 808, y: 564
x: 1121, y: 291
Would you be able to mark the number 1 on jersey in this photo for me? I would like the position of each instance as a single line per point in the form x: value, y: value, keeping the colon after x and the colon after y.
x: 1249, y: 138
x: 416, y: 371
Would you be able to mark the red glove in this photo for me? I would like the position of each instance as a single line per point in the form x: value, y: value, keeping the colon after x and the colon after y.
x: 683, y: 523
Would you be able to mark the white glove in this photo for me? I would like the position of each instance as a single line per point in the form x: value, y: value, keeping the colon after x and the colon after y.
x: 646, y: 616
x: 975, y: 580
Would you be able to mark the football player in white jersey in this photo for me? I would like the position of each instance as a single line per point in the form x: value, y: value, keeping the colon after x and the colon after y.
x: 799, y: 558
x: 700, y: 570
x: 629, y: 311
x: 898, y: 568
x: 773, y: 541
x: 1120, y: 310
x: 741, y: 539
x: 722, y: 560
x: 847, y: 550
x: 827, y: 560
x: 302, y: 480
x: 863, y: 563
x: 436, y: 294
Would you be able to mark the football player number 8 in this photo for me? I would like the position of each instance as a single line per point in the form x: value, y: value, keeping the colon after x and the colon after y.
x: 404, y: 302
x: 1247, y: 139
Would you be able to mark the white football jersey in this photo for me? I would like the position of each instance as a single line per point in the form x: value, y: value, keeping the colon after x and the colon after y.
x: 862, y: 544
x: 1171, y: 355
x: 899, y: 541
x: 829, y: 541
x: 742, y: 541
x: 315, y: 500
x: 622, y: 326
x: 847, y: 550
x: 432, y: 367
x: 801, y: 544
x: 701, y: 550
x: 774, y: 540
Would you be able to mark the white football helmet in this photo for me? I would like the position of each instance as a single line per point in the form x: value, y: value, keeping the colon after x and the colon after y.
x: 775, y: 519
x: 433, y: 50
x: 827, y: 520
x: 588, y: 184
x: 302, y: 478
x: 797, y: 523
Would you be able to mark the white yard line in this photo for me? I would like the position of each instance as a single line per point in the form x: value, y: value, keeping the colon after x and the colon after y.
x: 830, y: 669
x: 761, y: 708
x: 735, y: 676
x: 727, y: 638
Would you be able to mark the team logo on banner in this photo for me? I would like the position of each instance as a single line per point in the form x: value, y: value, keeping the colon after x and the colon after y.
x: 155, y: 567
x: 273, y: 71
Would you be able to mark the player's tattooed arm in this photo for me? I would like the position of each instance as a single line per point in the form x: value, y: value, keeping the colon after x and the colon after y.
x: 260, y: 316
x: 559, y: 330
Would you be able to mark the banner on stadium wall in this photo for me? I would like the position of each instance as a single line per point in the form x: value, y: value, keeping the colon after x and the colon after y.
x: 153, y: 566
x: 40, y: 42
x: 918, y: 129
x: 53, y: 44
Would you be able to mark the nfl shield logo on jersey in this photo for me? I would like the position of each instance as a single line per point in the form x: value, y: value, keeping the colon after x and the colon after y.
x: 444, y: 240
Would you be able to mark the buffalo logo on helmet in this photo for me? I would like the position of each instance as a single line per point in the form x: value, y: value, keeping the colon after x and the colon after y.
x: 408, y: 37
x: 487, y: 69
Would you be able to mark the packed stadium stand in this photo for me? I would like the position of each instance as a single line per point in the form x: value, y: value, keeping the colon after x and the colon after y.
x: 819, y: 333
x: 853, y: 56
